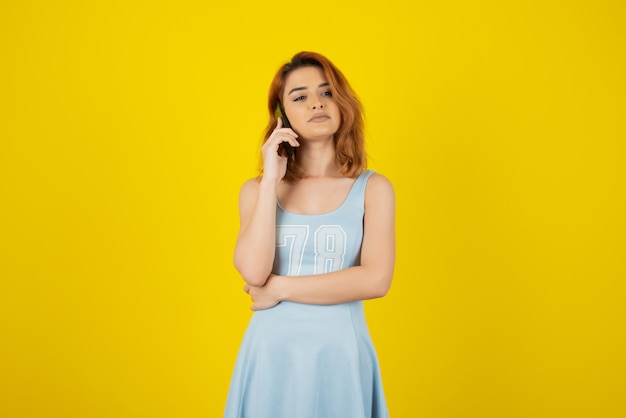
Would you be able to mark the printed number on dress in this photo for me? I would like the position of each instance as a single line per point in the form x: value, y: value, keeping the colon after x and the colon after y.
x: 329, y: 247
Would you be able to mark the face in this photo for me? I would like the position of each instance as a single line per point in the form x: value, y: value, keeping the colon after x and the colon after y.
x: 309, y: 104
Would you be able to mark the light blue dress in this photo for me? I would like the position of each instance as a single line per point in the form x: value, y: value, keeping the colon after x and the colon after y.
x: 311, y: 361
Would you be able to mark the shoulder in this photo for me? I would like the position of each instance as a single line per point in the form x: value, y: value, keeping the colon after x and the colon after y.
x: 379, y: 186
x: 380, y: 199
x: 379, y: 208
x: 250, y: 186
x: 248, y: 193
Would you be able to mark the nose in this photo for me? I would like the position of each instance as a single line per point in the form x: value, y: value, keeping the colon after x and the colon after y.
x: 317, y: 104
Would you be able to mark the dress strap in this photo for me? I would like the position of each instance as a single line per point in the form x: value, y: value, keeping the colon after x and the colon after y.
x: 358, y: 189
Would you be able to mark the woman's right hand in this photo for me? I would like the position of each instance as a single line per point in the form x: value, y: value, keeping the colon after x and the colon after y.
x: 274, y: 164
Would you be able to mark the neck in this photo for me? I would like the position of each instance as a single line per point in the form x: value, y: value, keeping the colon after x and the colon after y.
x: 317, y: 159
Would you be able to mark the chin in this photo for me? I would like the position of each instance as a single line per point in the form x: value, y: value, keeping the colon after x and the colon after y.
x: 320, y: 135
x: 323, y: 132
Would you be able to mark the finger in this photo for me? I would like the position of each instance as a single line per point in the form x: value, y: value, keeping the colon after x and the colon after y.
x: 253, y: 308
x: 290, y: 132
x: 276, y: 139
x: 288, y: 137
x: 290, y: 141
x: 279, y: 124
x: 246, y: 289
x: 285, y: 135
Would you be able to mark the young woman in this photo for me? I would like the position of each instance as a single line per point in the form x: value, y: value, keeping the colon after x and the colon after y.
x: 317, y: 238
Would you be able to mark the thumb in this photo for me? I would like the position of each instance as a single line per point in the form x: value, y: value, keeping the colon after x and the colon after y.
x: 279, y: 123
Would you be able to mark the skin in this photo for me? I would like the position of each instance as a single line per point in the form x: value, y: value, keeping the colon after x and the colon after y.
x: 315, y: 118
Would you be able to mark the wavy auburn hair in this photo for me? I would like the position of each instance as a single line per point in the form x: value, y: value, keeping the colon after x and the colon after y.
x: 349, y: 138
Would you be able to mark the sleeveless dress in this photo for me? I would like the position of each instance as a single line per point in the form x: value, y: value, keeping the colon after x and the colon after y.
x: 311, y: 361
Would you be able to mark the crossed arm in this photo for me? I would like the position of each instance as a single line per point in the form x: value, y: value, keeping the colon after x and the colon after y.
x: 255, y: 249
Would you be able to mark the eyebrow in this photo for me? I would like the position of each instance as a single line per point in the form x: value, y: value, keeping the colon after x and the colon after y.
x: 304, y: 88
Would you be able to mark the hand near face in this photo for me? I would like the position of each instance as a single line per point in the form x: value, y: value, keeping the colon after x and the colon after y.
x: 275, y: 164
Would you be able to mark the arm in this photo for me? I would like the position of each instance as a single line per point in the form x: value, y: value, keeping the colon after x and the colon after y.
x: 369, y: 280
x: 255, y: 247
x: 254, y: 250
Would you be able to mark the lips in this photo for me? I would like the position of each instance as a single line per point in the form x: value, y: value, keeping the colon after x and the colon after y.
x: 319, y: 118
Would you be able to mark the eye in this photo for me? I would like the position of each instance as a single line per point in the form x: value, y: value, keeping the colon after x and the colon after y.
x: 327, y: 93
x: 299, y: 98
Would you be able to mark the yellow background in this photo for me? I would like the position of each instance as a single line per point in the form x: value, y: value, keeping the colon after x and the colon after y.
x: 127, y: 127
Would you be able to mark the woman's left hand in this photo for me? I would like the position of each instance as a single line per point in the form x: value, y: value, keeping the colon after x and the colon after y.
x: 263, y: 297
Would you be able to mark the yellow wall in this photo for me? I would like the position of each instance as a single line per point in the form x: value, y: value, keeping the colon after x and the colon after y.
x: 126, y: 129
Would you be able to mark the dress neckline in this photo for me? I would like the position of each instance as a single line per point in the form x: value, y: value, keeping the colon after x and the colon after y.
x: 343, y: 203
